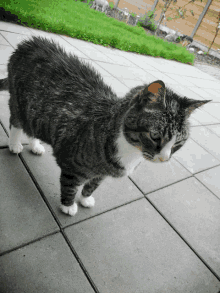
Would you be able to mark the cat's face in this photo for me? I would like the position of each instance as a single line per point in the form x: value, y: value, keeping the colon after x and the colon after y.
x: 157, y: 122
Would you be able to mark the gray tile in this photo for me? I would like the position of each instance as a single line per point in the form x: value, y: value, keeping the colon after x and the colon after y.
x: 3, y: 71
x: 142, y: 62
x: 186, y: 92
x: 164, y: 77
x: 5, y: 53
x: 44, y: 266
x: 203, y: 83
x: 151, y: 176
x: 200, y: 74
x: 213, y: 92
x: 4, y: 113
x: 115, y: 59
x: 110, y: 194
x: 201, y: 92
x: 3, y: 41
x: 208, y: 140
x: 98, y: 68
x: 80, y: 44
x: 208, y: 71
x: 3, y: 138
x: 210, y: 178
x: 24, y: 215
x: 194, y: 158
x: 88, y: 50
x: 132, y: 249
x: 118, y: 87
x: 13, y: 38
x: 213, y: 109
x: 14, y: 28
x: 107, y: 50
x: 203, y: 117
x: 123, y: 71
x: 131, y: 83
x: 193, y: 122
x: 95, y: 54
x: 215, y: 129
x: 214, y: 95
x: 180, y: 79
x: 194, y: 212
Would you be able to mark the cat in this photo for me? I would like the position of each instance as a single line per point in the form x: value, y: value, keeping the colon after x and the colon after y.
x: 64, y: 102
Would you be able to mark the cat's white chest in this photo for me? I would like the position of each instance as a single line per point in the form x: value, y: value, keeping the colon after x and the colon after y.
x: 130, y: 156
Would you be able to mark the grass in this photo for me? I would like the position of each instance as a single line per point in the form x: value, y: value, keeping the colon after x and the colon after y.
x: 77, y: 20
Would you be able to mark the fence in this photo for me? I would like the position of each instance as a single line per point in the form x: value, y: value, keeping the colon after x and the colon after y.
x: 200, y: 17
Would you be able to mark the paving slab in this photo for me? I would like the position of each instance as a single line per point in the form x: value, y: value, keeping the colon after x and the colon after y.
x: 3, y: 41
x: 24, y: 215
x: 15, y: 28
x: 3, y: 138
x: 3, y: 71
x: 215, y: 129
x: 194, y: 212
x: 204, y: 117
x: 207, y: 139
x: 118, y: 87
x: 150, y: 176
x: 210, y: 178
x: 5, y: 53
x: 203, y: 83
x: 195, y: 158
x: 110, y: 237
x: 120, y: 71
x: 186, y: 92
x: 14, y: 39
x: 133, y: 249
x: 202, y: 92
x: 110, y: 194
x: 213, y: 109
x: 44, y: 266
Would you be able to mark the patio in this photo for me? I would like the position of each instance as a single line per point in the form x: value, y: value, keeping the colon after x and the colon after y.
x: 157, y: 231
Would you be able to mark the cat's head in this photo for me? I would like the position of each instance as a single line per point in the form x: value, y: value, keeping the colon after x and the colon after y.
x: 156, y: 122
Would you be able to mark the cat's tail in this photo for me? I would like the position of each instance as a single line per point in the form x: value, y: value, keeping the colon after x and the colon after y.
x: 4, y: 84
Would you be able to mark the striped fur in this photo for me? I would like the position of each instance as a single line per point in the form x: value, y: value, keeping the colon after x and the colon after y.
x: 64, y: 102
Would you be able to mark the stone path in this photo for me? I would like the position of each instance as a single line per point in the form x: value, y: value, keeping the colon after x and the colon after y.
x: 155, y: 231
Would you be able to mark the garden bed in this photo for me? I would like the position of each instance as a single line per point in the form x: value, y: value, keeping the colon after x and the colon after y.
x: 77, y: 20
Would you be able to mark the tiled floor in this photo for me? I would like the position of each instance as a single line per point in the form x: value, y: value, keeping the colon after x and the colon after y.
x: 156, y: 231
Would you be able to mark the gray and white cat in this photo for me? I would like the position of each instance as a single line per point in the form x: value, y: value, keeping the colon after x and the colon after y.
x: 56, y: 98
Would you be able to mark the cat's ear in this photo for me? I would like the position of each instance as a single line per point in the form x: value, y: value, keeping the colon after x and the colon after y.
x: 153, y: 94
x: 191, y: 105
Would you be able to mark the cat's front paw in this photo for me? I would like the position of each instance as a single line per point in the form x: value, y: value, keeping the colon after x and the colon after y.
x: 87, y: 202
x: 71, y: 210
x: 16, y: 148
x: 38, y: 149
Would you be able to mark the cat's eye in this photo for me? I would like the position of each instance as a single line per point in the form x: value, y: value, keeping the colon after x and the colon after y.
x: 154, y: 135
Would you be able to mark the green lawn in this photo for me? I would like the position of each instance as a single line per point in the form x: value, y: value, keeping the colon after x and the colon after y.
x: 77, y: 20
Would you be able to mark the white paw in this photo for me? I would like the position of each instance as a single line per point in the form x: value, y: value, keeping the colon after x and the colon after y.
x: 38, y: 149
x: 16, y: 148
x: 87, y: 202
x: 71, y: 210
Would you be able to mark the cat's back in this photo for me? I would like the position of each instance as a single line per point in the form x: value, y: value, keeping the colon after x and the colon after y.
x: 41, y: 72
x: 44, y: 67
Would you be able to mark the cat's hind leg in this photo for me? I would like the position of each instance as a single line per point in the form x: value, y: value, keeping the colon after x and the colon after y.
x: 14, y: 143
x: 36, y: 147
x: 86, y: 199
